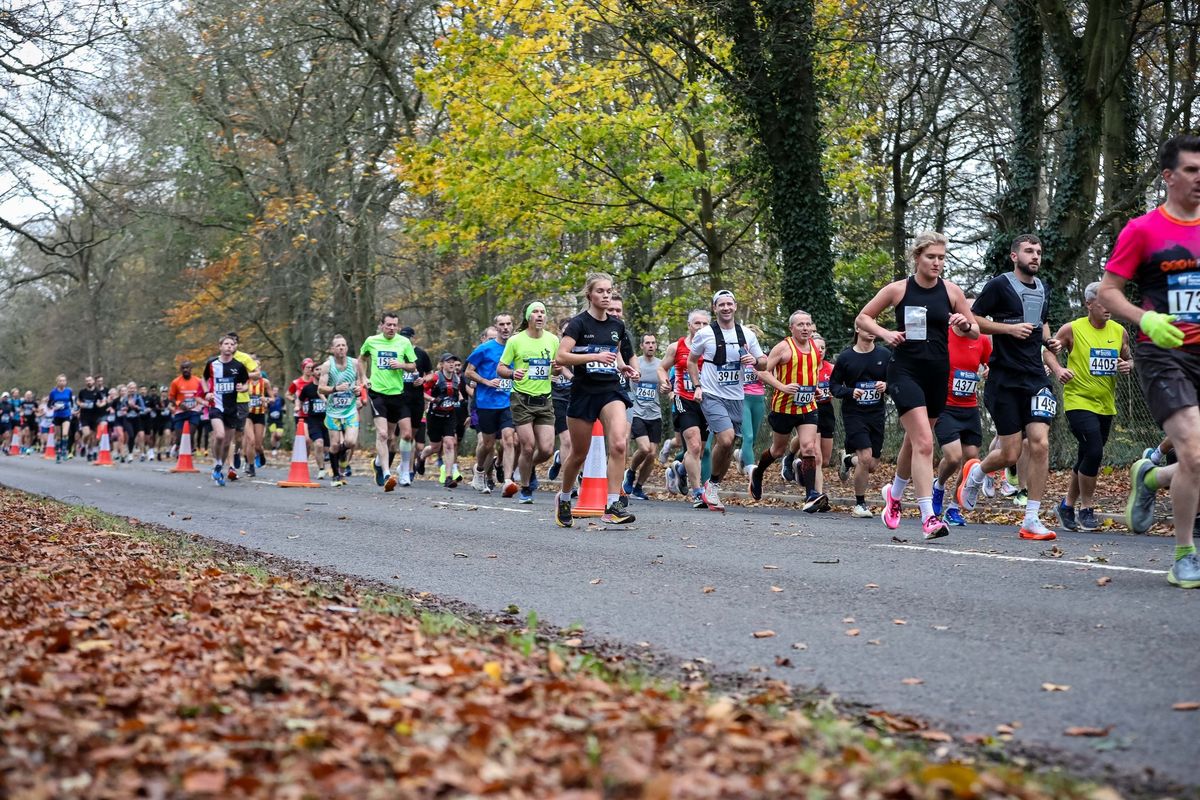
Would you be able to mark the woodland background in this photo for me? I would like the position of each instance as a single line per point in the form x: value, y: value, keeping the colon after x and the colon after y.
x: 286, y: 168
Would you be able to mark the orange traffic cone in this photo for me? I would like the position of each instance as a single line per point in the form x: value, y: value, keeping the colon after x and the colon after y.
x: 50, y: 451
x: 299, y: 475
x: 593, y: 492
x: 104, y: 457
x: 15, y: 449
x: 184, y: 464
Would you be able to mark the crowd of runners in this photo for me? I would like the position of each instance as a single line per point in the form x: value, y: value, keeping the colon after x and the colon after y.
x: 530, y: 382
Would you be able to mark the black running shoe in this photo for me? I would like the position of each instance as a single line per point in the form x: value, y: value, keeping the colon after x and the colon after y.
x: 615, y: 515
x: 562, y: 516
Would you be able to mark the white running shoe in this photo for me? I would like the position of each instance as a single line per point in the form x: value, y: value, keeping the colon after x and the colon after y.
x: 862, y: 512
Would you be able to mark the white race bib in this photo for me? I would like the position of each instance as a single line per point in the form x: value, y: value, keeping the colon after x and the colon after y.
x: 1102, y: 361
x: 1043, y: 405
x: 539, y: 369
x: 1183, y: 296
x: 870, y: 395
x: 965, y: 383
x: 730, y: 374
x: 806, y: 395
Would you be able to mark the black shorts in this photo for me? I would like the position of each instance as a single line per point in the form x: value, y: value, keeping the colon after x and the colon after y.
x: 392, y: 406
x: 863, y: 431
x: 415, y: 399
x: 494, y: 420
x: 316, y: 428
x: 587, y: 406
x: 783, y: 424
x: 689, y: 415
x: 560, y: 415
x: 912, y: 384
x: 89, y: 419
x: 959, y: 424
x: 1011, y: 405
x: 1170, y: 379
x: 230, y: 417
x: 257, y: 419
x: 440, y: 426
x: 650, y: 428
x: 826, y: 421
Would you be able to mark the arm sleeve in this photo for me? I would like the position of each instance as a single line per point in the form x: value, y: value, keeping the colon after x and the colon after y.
x: 1127, y: 254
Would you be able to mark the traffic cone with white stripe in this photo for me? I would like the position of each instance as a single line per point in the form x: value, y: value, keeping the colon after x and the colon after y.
x: 104, y: 456
x: 298, y: 475
x: 15, y: 448
x: 50, y: 451
x: 593, y: 492
x: 184, y: 464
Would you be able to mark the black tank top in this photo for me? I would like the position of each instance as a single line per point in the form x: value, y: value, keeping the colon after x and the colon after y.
x: 924, y: 316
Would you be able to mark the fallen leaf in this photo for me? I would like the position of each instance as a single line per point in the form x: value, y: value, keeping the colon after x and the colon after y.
x: 848, y: 620
x: 853, y: 632
x: 872, y: 586
x: 935, y: 736
x: 207, y: 781
x: 874, y: 641
x: 799, y: 646
x: 295, y: 536
x: 912, y: 681
x: 573, y: 642
x: 899, y: 622
x: 764, y: 634
x: 940, y: 627
x: 776, y: 589
x: 461, y: 555
x: 1053, y: 586
x: 1084, y: 730
x: 555, y: 663
x: 1188, y: 706
x: 781, y: 661
x: 1054, y: 552
x: 1104, y: 580
x: 708, y: 589
x: 493, y: 670
x: 492, y: 555
x: 595, y: 581
x: 1055, y: 687
x: 770, y: 566
x: 92, y: 645
x: 898, y: 540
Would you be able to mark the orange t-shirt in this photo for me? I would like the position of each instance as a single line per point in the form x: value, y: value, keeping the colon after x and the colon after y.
x: 187, y: 394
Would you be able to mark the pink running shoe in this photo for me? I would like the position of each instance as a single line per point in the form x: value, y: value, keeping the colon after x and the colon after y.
x: 934, y: 528
x: 891, y: 509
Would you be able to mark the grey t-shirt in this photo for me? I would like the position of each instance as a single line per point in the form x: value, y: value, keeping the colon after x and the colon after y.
x: 644, y: 391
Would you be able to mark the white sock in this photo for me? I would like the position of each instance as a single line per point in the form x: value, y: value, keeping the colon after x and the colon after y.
x: 612, y: 498
x: 898, y: 486
x: 1031, y: 510
x: 926, y: 506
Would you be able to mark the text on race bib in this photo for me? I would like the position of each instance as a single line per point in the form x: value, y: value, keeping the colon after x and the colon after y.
x: 806, y: 395
x: 383, y: 359
x: 59, y: 405
x: 539, y: 369
x: 646, y: 391
x: 189, y: 402
x: 599, y: 367
x: 1102, y: 361
x: 749, y: 374
x: 447, y: 402
x: 688, y: 386
x: 256, y: 402
x: 223, y: 386
x: 316, y: 407
x: 1043, y: 405
x: 1183, y: 296
x: 870, y: 394
x: 411, y: 377
x: 341, y: 400
x: 730, y: 374
x: 965, y: 383
x: 87, y: 404
x: 506, y: 385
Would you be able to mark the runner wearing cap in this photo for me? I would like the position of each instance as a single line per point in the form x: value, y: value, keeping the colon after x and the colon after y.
x: 719, y: 354
x: 528, y: 360
x: 337, y: 381
x: 386, y: 358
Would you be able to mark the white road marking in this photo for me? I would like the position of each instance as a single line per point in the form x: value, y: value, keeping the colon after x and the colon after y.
x: 1001, y: 557
x: 480, y: 505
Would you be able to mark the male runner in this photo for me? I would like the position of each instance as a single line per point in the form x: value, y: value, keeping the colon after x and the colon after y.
x: 414, y: 395
x: 1160, y: 251
x: 959, y: 429
x: 492, y: 407
x: 337, y: 381
x: 792, y: 369
x: 386, y: 358
x: 859, y: 380
x: 646, y: 429
x: 688, y: 418
x: 1097, y: 351
x: 185, y: 394
x: 1012, y: 309
x: 312, y: 405
x: 718, y: 355
x: 243, y: 406
x: 445, y: 398
x: 225, y: 377
x: 528, y: 360
x: 62, y: 403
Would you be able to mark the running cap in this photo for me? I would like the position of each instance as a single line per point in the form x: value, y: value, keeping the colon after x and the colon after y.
x: 448, y: 357
x: 534, y: 306
x: 407, y: 331
x: 308, y: 362
x: 722, y: 293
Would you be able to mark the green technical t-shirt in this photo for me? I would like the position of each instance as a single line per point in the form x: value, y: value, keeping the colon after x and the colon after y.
x: 384, y: 379
x: 535, y: 356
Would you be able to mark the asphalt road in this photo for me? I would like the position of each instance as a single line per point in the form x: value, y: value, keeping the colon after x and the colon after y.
x: 982, y: 619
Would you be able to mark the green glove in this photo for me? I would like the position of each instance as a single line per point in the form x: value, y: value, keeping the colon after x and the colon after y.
x: 1161, y: 330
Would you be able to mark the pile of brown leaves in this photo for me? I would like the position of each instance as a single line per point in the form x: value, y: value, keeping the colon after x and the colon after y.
x: 130, y: 671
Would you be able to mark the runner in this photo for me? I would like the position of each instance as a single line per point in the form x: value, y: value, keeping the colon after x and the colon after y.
x: 1097, y: 351
x: 792, y: 369
x: 414, y: 395
x: 492, y: 407
x: 859, y: 380
x: 224, y: 378
x: 243, y: 406
x: 275, y: 421
x: 258, y: 391
x: 560, y: 393
x: 337, y: 381
x: 715, y: 362
x: 6, y: 422
x: 1160, y: 252
x: 528, y: 360
x: 155, y: 420
x: 185, y: 394
x: 688, y: 418
x: 959, y: 429
x: 1012, y: 309
x: 591, y: 346
x: 826, y: 419
x: 385, y: 358
x: 312, y: 408
x: 754, y: 411
x: 927, y: 306
x: 646, y: 429
x: 445, y: 394
x: 61, y: 402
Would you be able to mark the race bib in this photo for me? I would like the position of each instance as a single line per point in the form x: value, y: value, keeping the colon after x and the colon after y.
x: 749, y: 374
x: 505, y: 385
x: 599, y: 367
x: 539, y: 369
x: 806, y: 395
x: 316, y: 407
x: 189, y: 402
x: 823, y: 393
x: 59, y: 405
x: 341, y: 400
x: 1183, y: 296
x: 646, y: 392
x: 383, y: 359
x: 256, y: 402
x: 870, y: 395
x: 87, y: 403
x: 448, y: 402
x: 411, y: 377
x: 223, y: 386
x: 730, y: 374
x: 965, y: 383
x: 688, y: 386
x: 915, y: 329
x: 1043, y: 405
x: 1102, y: 361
